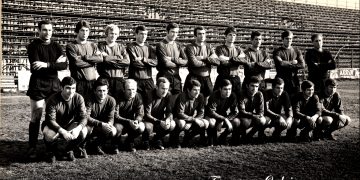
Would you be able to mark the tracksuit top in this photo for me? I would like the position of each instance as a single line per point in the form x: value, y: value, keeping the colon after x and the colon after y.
x: 100, y: 112
x: 157, y: 108
x: 177, y: 54
x: 82, y: 60
x: 221, y: 108
x: 116, y: 63
x: 141, y: 69
x: 61, y: 113
x: 230, y: 67
x: 201, y: 67
x: 276, y: 105
x: 257, y: 59
x: 38, y: 50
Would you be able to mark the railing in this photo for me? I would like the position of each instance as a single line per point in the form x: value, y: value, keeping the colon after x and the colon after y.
x: 21, y: 16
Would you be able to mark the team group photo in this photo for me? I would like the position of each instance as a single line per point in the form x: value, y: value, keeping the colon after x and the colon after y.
x: 180, y: 100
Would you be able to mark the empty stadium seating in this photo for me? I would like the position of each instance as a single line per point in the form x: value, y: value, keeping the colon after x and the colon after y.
x: 339, y: 26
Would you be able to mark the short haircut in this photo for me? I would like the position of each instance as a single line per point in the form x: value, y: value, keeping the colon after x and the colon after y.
x: 193, y: 83
x: 306, y: 84
x: 254, y: 34
x: 254, y: 79
x: 171, y: 26
x: 82, y: 24
x: 224, y: 82
x: 140, y: 28
x: 198, y: 28
x: 162, y: 80
x: 330, y: 82
x: 130, y: 81
x: 285, y: 34
x: 67, y: 81
x: 44, y: 22
x: 101, y: 82
x: 315, y: 36
x: 277, y: 81
x: 229, y: 30
x: 111, y: 27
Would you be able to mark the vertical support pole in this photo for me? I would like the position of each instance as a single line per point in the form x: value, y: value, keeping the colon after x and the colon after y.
x: 352, y: 54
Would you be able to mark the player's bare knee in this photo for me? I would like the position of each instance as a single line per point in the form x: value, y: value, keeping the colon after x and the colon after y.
x: 282, y: 124
x: 327, y: 120
x: 119, y: 128
x: 344, y: 121
x: 187, y: 126
x: 245, y: 123
x: 319, y: 120
x: 348, y: 121
x: 236, y: 122
x: 230, y: 127
x: 149, y: 127
x: 206, y: 123
x: 267, y: 121
x: 262, y: 121
x: 49, y: 135
x: 181, y: 124
x: 141, y: 128
x: 212, y: 122
x: 83, y: 133
x: 113, y: 131
x: 172, y: 125
x: 289, y: 122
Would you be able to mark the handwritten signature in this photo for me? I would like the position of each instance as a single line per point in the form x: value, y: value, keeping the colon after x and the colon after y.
x: 270, y: 177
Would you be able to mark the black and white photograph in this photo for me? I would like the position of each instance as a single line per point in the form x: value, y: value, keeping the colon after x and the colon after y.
x: 180, y: 89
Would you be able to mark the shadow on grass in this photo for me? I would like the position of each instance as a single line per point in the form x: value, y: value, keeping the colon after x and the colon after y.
x: 15, y: 152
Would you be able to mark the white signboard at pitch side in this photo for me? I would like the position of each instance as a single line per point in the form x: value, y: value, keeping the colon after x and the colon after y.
x: 345, y: 73
x: 23, y: 80
x: 63, y: 73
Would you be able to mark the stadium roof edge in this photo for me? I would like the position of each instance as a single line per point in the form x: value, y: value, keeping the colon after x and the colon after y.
x: 168, y: 21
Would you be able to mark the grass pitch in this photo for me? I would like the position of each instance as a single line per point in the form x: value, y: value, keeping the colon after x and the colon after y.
x: 316, y: 160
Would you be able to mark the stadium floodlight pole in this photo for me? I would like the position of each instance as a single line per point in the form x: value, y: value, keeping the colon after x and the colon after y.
x: 337, y: 54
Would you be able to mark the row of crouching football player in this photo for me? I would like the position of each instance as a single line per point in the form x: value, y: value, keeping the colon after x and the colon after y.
x: 101, y: 118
